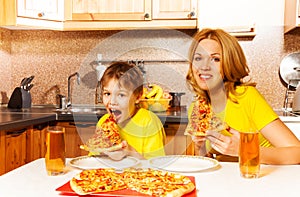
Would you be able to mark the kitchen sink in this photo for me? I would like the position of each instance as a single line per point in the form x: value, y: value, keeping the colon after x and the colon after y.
x: 83, y: 109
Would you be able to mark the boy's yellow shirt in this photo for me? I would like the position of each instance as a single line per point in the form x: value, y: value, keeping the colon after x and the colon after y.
x: 144, y: 132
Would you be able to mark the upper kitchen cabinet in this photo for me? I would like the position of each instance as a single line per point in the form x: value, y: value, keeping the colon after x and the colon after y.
x: 99, y: 10
x: 107, y: 14
x: 7, y: 12
x: 236, y: 17
x: 291, y: 15
x: 175, y: 9
x: 45, y: 9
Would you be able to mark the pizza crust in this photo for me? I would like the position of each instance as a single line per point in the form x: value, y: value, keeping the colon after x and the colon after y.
x: 182, y: 191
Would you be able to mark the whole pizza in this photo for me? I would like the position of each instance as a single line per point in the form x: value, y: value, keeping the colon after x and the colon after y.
x: 145, y: 181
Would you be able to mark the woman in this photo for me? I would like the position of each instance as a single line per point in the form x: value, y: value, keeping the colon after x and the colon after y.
x: 217, y: 74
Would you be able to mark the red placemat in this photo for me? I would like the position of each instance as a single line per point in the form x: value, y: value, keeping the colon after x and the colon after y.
x: 66, y: 190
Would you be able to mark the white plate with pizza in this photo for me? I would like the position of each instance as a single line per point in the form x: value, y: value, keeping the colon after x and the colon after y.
x: 94, y: 162
x: 178, y: 163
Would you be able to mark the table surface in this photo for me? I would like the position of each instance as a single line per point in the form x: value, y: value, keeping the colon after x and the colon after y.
x: 32, y: 180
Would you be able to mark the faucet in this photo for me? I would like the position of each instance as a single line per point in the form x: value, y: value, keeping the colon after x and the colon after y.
x: 69, y: 86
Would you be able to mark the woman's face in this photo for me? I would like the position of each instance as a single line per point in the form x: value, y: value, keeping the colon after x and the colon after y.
x: 207, y: 64
x: 119, y: 101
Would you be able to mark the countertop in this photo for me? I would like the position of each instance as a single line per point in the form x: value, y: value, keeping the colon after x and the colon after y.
x: 16, y: 118
x: 275, y: 180
x: 38, y: 114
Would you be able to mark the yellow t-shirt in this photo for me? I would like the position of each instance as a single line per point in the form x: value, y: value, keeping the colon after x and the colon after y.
x: 251, y: 113
x: 144, y: 132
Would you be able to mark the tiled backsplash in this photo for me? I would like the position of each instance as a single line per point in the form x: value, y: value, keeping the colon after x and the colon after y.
x: 51, y: 56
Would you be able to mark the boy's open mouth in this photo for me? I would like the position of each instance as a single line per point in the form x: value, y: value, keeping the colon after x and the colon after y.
x: 116, y: 113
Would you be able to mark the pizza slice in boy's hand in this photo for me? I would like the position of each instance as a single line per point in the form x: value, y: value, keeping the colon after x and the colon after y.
x: 106, y: 138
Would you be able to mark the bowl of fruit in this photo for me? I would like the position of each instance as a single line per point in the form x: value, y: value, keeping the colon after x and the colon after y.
x: 155, y: 99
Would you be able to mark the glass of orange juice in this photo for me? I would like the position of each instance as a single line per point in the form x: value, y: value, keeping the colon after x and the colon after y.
x: 249, y: 155
x: 55, y: 158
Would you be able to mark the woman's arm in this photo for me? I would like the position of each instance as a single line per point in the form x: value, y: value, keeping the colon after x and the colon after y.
x: 280, y: 155
x: 286, y: 148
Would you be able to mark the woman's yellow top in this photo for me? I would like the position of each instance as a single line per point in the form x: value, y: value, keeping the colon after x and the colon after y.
x: 144, y: 132
x: 252, y: 112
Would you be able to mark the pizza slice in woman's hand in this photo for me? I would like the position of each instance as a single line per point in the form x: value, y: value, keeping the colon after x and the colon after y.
x: 203, y: 119
x: 105, y: 139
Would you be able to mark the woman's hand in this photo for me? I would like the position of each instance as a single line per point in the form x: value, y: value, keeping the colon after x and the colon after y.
x: 226, y: 145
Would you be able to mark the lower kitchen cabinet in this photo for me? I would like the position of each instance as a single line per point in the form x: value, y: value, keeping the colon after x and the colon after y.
x: 20, y: 146
x: 15, y: 149
x: 176, y: 142
x: 76, y: 135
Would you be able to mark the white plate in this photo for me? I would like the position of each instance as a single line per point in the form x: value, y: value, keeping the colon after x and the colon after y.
x: 182, y: 163
x: 87, y: 162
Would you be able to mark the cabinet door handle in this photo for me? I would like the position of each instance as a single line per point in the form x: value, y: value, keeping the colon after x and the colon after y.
x: 41, y: 14
x: 147, y: 15
x: 15, y: 133
x: 191, y: 14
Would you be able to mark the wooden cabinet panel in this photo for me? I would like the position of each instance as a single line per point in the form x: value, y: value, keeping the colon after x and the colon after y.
x: 75, y: 136
x: 7, y: 12
x: 291, y: 15
x: 176, y: 142
x: 15, y: 149
x: 36, y: 144
x: 111, y: 10
x: 46, y: 9
x: 2, y: 152
x: 174, y: 9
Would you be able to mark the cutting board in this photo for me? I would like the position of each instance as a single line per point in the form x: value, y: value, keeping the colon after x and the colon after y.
x: 67, y: 191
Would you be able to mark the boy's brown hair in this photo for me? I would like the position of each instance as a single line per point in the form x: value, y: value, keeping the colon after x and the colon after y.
x: 128, y: 76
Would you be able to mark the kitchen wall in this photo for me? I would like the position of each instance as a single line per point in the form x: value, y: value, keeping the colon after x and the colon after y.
x: 51, y: 56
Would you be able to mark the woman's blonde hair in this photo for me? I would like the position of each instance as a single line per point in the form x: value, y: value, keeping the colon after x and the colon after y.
x: 233, y: 62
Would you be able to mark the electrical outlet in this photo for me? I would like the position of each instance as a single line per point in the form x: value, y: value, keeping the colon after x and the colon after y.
x: 99, y: 57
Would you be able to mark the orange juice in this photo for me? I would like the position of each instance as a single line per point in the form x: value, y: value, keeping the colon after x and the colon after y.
x: 249, y: 155
x: 55, y: 156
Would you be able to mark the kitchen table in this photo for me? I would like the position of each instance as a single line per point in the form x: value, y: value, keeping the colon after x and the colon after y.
x: 32, y: 180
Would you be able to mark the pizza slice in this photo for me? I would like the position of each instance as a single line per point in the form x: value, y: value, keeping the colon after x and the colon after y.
x: 106, y: 138
x: 97, y: 180
x: 203, y: 119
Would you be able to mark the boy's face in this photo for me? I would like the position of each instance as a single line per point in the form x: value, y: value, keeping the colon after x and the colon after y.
x: 119, y: 101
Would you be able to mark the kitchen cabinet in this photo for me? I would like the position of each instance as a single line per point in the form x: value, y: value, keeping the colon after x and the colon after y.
x: 15, y: 150
x: 236, y: 17
x: 291, y: 15
x: 176, y: 142
x: 35, y: 143
x: 76, y: 135
x: 111, y: 10
x: 21, y: 146
x: 7, y: 12
x: 175, y: 9
x: 107, y: 14
x: 46, y: 9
